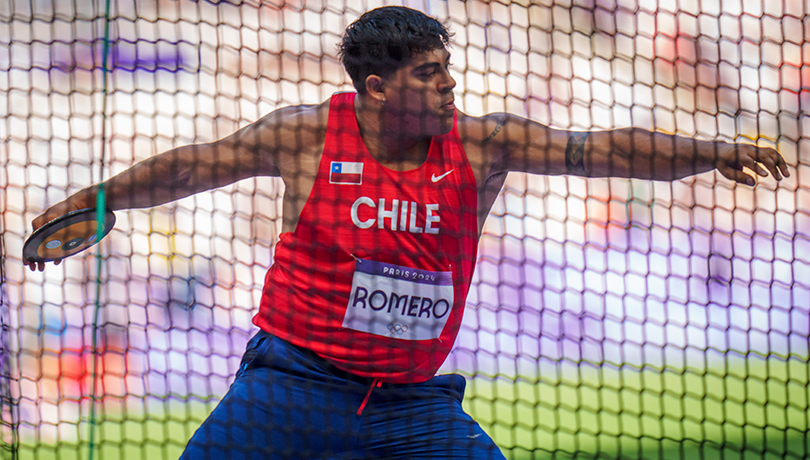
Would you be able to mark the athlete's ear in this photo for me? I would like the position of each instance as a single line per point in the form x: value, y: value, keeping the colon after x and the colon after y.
x: 374, y: 88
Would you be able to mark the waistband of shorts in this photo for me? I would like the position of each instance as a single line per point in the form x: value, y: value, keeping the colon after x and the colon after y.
x: 316, y: 359
x: 451, y: 381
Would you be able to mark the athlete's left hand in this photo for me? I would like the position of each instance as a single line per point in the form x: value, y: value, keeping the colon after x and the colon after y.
x: 729, y: 159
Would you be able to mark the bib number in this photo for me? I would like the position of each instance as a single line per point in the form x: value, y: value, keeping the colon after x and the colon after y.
x: 399, y: 302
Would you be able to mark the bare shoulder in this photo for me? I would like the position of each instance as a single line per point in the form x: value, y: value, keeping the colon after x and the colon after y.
x: 288, y: 138
x: 277, y: 128
x: 295, y: 120
x: 499, y: 128
x: 480, y: 129
x: 483, y: 141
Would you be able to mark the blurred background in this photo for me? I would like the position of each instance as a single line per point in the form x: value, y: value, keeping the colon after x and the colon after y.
x: 608, y: 317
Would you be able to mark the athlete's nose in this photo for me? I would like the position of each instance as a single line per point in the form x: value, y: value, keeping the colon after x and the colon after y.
x: 448, y: 82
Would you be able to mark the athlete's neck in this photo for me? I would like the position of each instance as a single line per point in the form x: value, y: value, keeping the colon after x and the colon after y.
x: 394, y: 148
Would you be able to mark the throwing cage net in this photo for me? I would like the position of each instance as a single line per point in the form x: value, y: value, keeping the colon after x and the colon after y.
x: 607, y: 317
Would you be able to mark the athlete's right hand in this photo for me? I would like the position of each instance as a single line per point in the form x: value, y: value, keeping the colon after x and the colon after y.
x: 80, y: 200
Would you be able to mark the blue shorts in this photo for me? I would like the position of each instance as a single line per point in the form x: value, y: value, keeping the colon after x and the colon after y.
x: 289, y: 403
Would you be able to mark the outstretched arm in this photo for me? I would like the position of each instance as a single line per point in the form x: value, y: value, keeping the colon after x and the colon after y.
x: 518, y: 144
x: 255, y: 150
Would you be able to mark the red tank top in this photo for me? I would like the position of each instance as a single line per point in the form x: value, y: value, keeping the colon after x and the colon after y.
x: 375, y: 276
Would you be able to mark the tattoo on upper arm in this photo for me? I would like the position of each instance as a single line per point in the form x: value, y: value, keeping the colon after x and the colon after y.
x: 498, y: 128
x: 574, y: 153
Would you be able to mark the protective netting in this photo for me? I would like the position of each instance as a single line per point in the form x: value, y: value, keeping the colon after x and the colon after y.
x: 611, y: 317
x: 8, y: 408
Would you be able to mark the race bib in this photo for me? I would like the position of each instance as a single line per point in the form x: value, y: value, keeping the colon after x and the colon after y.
x: 398, y: 302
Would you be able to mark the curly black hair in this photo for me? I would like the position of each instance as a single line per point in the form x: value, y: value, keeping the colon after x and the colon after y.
x: 384, y: 40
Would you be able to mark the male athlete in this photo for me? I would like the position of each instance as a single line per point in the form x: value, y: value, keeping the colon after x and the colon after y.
x: 387, y: 190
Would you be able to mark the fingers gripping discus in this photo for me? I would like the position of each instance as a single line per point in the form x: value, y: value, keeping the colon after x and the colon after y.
x: 66, y: 235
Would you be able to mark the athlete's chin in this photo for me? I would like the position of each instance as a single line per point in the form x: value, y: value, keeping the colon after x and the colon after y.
x: 445, y: 123
x: 440, y: 129
x: 433, y: 125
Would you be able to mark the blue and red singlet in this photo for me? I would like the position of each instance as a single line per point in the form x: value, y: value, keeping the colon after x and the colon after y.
x: 375, y: 276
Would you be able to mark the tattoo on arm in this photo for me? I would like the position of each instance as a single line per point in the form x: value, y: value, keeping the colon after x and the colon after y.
x: 498, y: 128
x: 574, y: 153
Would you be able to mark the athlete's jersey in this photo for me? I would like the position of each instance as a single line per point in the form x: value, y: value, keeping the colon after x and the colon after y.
x: 375, y: 276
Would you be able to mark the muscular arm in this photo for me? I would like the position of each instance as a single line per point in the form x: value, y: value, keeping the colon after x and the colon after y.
x: 186, y: 170
x: 263, y: 148
x: 518, y: 144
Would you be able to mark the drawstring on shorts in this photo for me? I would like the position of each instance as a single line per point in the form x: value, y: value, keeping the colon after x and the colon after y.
x: 374, y: 383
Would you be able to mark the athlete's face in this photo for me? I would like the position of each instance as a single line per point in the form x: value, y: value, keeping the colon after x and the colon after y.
x: 420, y: 99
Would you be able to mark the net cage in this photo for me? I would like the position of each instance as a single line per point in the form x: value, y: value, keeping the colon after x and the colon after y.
x: 608, y: 318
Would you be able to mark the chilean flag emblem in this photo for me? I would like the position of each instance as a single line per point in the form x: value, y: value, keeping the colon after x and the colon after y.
x: 346, y: 172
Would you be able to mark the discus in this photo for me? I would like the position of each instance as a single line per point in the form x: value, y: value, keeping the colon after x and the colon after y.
x: 66, y: 235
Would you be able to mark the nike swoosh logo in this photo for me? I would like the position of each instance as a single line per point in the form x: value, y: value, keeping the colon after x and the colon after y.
x: 436, y: 178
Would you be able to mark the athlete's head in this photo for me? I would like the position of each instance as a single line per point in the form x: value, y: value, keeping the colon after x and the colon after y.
x: 397, y: 58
